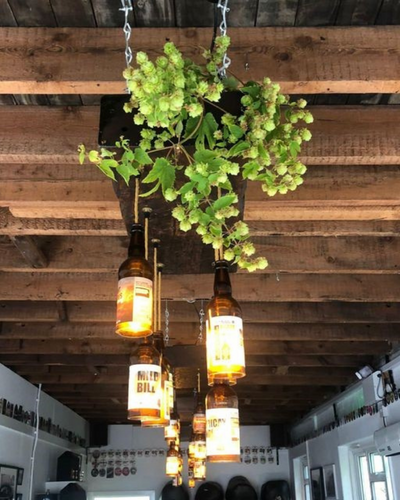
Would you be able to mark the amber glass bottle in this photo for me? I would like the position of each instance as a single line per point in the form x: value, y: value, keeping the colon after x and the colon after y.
x: 225, y: 348
x: 199, y: 417
x: 173, y: 462
x: 135, y: 290
x: 144, y: 397
x: 222, y: 413
x: 164, y: 419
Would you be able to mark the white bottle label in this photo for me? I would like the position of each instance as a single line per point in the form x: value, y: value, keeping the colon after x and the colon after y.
x: 144, y: 387
x: 135, y: 301
x: 223, y: 435
x: 225, y: 341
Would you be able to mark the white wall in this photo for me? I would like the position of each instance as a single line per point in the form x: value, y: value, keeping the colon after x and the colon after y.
x: 16, y: 448
x: 337, y: 446
x: 151, y: 471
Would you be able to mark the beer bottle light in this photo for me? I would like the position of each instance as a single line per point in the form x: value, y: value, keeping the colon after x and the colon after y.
x: 144, y: 396
x: 173, y: 463
x: 222, y: 414
x: 225, y: 348
x: 135, y: 290
x: 199, y: 417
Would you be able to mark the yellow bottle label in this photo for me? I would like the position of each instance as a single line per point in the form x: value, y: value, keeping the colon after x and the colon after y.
x: 225, y: 348
x: 135, y: 302
x: 223, y: 435
x: 144, y: 387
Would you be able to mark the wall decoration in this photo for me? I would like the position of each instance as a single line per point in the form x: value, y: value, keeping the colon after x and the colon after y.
x: 20, y: 477
x: 330, y: 482
x: 8, y: 482
x: 316, y: 482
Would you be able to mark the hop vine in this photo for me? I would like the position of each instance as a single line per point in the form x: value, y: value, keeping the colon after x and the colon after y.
x: 171, y: 99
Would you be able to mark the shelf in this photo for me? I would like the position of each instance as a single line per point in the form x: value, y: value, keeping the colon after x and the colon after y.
x: 15, y: 425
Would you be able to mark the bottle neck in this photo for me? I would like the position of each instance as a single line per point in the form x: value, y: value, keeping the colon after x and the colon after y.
x: 222, y: 281
x: 136, y: 244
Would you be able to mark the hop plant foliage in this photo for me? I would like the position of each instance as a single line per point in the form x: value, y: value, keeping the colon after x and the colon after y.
x: 168, y: 98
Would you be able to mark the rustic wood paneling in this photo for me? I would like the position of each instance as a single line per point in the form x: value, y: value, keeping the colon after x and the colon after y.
x: 154, y: 13
x: 189, y: 13
x: 276, y: 12
x: 39, y: 13
x: 312, y: 13
x: 357, y: 12
x: 7, y: 17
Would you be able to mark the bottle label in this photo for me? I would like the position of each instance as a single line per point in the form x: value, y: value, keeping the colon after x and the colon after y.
x: 223, y: 435
x: 166, y: 399
x: 225, y: 346
x: 135, y: 302
x: 199, y: 423
x: 144, y: 387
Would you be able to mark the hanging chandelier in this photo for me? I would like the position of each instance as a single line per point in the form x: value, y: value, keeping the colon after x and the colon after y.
x: 225, y: 347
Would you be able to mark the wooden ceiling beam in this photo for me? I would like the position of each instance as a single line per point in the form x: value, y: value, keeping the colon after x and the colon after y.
x: 264, y: 379
x: 302, y: 60
x: 323, y: 313
x: 30, y: 251
x: 342, y: 135
x: 247, y: 287
x: 116, y: 346
x: 70, y: 360
x: 288, y: 255
x: 186, y: 333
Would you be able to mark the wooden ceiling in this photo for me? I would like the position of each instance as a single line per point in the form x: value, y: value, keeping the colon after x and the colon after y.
x: 330, y: 300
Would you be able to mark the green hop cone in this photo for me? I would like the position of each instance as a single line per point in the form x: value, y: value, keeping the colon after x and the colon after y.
x: 170, y: 194
x: 248, y: 249
x: 141, y: 58
x: 229, y: 254
x: 178, y: 213
x: 185, y: 226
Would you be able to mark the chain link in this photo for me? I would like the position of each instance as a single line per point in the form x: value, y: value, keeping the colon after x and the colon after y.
x: 166, y: 331
x: 201, y: 326
x: 223, y: 29
x: 126, y: 9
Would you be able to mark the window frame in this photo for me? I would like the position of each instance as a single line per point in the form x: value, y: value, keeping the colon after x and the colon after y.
x: 372, y: 476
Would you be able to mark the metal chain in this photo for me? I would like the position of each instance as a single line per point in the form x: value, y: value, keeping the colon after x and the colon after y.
x: 223, y: 29
x: 201, y: 315
x: 166, y: 331
x: 127, y: 8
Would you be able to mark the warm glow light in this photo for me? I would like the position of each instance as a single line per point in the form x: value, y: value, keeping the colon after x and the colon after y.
x: 199, y: 420
x: 197, y: 447
x: 134, y: 307
x: 199, y: 470
x: 225, y: 348
x: 144, y: 397
x: 173, y: 463
x: 171, y: 431
x: 164, y: 419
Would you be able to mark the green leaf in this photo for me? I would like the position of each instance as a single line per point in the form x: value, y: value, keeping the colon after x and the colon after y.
x: 187, y: 187
x: 250, y: 168
x: 126, y: 171
x: 142, y: 157
x: 204, y: 156
x: 236, y: 131
x: 163, y: 171
x: 252, y: 88
x: 106, y: 167
x: 94, y: 156
x: 224, y: 201
x: 238, y: 148
x: 191, y: 125
x: 152, y: 190
x: 179, y: 129
x: 106, y: 153
x: 294, y: 148
x: 206, y: 131
x: 82, y: 152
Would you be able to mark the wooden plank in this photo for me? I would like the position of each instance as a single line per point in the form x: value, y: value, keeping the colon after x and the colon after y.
x: 43, y: 361
x: 247, y: 288
x: 107, y: 15
x: 30, y: 251
x: 117, y: 346
x: 157, y: 13
x: 276, y: 12
x: 389, y: 13
x: 265, y: 313
x: 7, y: 17
x: 357, y: 12
x: 290, y: 254
x: 342, y: 135
x: 189, y: 13
x: 311, y: 13
x: 242, y: 13
x: 13, y: 226
x: 303, y: 60
x: 186, y: 333
x: 39, y: 15
x: 74, y: 13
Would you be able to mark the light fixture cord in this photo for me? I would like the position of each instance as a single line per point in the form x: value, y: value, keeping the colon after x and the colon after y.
x: 201, y: 325
x: 126, y: 9
x: 136, y: 201
x: 159, y: 296
x: 147, y: 212
x: 198, y: 382
x: 223, y: 29
x: 155, y: 299
x: 166, y: 334
x: 220, y: 253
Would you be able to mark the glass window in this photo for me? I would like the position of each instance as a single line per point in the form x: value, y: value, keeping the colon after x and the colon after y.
x: 373, y: 479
